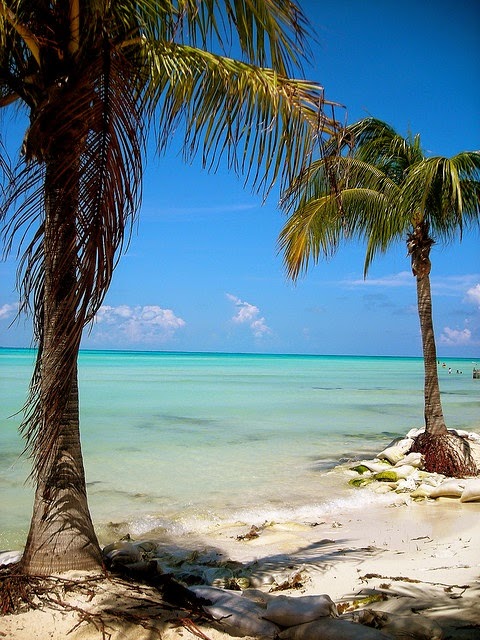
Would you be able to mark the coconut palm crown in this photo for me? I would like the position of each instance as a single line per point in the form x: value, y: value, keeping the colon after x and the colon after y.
x: 379, y: 187
x: 95, y: 78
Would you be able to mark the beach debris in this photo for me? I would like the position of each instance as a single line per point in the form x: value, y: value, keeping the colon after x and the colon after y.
x: 294, y: 580
x: 364, y: 601
x: 253, y: 533
x: 370, y: 617
x: 234, y: 583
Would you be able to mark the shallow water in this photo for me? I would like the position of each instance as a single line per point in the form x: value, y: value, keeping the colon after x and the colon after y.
x: 178, y: 441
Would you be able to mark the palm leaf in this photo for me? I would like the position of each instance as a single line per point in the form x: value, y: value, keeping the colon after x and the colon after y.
x: 107, y: 155
x: 266, y: 124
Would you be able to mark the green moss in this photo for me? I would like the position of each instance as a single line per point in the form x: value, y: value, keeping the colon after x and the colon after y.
x: 360, y: 482
x: 386, y: 476
x: 361, y: 468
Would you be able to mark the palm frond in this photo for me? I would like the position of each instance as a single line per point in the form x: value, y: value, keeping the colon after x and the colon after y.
x: 266, y: 124
x: 444, y: 192
x: 93, y: 76
x: 312, y: 231
x: 271, y: 33
x: 100, y: 177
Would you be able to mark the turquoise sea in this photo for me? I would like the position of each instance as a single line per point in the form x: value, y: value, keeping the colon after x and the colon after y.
x: 178, y: 442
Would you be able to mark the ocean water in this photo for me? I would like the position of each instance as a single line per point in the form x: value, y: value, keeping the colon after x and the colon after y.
x: 177, y: 442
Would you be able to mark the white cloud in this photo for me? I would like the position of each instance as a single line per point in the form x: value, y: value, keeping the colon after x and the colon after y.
x: 7, y: 311
x: 259, y: 328
x: 453, y: 285
x: 456, y: 337
x: 473, y: 295
x: 441, y: 285
x: 249, y: 314
x: 147, y: 324
x: 402, y: 279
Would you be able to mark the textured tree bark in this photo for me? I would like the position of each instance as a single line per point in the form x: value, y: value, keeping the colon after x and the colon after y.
x: 419, y: 245
x: 434, y: 419
x: 61, y: 535
x: 444, y: 451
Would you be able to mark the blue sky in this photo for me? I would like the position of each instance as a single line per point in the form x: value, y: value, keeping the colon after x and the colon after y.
x: 202, y: 271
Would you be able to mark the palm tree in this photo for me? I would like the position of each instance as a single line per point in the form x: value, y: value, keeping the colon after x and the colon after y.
x: 376, y: 186
x: 94, y: 78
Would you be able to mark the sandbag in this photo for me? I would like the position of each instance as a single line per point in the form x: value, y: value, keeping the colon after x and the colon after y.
x: 236, y: 615
x: 288, y: 612
x: 333, y: 629
x: 413, y: 458
x: 396, y: 451
x: 471, y: 493
x: 414, y: 626
x: 451, y: 488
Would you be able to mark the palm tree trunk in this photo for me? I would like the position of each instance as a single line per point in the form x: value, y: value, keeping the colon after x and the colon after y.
x: 61, y: 535
x: 434, y: 420
x: 444, y: 451
x: 419, y: 245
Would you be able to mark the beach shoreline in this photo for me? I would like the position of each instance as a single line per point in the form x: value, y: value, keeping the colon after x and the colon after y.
x: 422, y: 557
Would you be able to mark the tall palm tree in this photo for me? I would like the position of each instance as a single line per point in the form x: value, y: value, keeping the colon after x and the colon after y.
x: 94, y: 78
x: 376, y: 186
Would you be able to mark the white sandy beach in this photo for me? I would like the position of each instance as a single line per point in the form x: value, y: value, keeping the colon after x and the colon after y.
x: 419, y: 560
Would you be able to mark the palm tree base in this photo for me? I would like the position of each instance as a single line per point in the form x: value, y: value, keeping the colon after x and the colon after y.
x: 446, y: 453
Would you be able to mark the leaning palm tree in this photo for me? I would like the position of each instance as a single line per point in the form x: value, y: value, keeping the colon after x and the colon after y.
x: 376, y: 186
x: 94, y: 77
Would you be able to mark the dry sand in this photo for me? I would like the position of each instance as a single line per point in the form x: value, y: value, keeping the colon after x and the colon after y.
x: 423, y: 557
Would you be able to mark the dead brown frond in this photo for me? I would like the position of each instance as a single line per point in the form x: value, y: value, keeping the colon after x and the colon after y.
x: 16, y: 593
x: 448, y: 454
x: 188, y: 624
x: 71, y: 218
x: 140, y: 604
x: 20, y: 592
